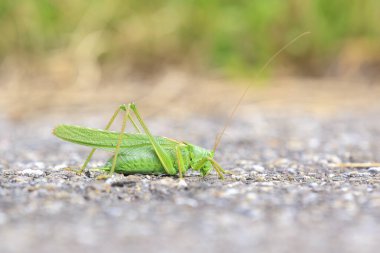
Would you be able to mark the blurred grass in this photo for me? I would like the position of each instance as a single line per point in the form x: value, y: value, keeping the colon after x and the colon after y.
x: 234, y: 37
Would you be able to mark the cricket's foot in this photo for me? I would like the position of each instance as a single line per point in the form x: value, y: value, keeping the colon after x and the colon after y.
x: 228, y: 172
x: 103, y: 177
x: 78, y: 172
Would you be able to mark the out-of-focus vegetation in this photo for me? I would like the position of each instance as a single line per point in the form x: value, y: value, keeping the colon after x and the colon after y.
x: 232, y: 36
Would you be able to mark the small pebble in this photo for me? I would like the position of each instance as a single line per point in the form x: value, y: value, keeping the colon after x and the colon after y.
x: 258, y: 168
x: 374, y: 170
x: 31, y: 173
x: 182, y: 184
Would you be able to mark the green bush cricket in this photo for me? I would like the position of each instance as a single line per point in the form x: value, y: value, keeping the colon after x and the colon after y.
x: 144, y: 153
x: 140, y: 152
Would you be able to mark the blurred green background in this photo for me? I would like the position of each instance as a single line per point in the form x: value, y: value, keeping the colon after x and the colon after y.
x: 232, y: 37
x: 55, y: 54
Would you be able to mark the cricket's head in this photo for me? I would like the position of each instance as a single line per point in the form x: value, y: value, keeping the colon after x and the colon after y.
x: 198, y: 159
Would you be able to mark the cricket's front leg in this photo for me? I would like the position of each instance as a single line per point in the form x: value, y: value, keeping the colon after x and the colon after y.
x: 215, y: 165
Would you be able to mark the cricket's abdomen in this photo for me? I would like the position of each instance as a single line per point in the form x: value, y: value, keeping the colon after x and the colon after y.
x: 145, y: 161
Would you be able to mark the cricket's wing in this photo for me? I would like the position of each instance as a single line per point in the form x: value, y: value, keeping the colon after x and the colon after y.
x: 106, y: 140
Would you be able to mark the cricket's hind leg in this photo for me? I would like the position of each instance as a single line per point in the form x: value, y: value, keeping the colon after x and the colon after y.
x: 127, y: 115
x: 163, y: 156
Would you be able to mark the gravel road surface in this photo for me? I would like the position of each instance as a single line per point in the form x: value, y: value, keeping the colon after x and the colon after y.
x: 283, y: 197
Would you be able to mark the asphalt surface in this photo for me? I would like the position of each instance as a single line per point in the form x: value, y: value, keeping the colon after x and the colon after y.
x: 284, y: 195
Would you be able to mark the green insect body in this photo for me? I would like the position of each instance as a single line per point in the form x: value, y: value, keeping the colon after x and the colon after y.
x: 140, y: 153
x: 145, y: 161
x: 136, y: 156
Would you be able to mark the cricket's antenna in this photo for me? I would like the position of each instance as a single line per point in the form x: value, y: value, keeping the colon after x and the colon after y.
x: 219, y: 136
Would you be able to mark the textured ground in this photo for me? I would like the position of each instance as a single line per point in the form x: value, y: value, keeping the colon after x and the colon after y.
x: 284, y: 196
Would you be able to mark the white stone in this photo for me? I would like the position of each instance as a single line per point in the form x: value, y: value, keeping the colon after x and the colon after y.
x: 259, y: 168
x: 31, y: 173
x: 374, y: 170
